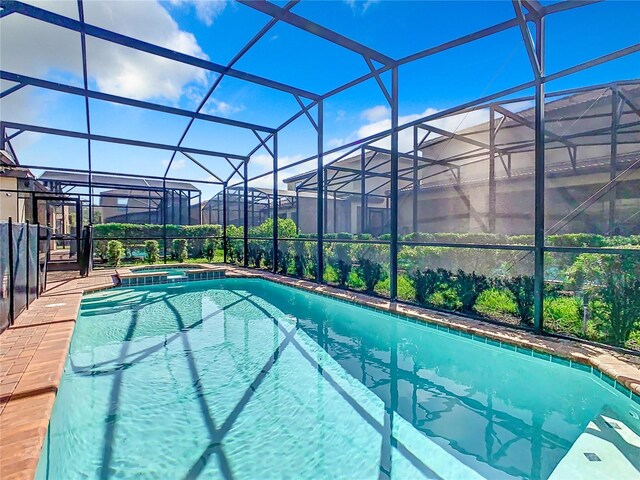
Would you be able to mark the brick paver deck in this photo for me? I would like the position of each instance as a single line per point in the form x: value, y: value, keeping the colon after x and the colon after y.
x: 32, y: 358
x: 34, y: 350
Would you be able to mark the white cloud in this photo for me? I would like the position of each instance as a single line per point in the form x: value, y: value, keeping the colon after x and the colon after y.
x: 206, y: 10
x: 452, y: 123
x: 34, y: 48
x: 376, y: 113
x: 360, y: 6
x: 335, y: 142
x: 178, y: 164
x: 262, y: 163
x: 218, y: 107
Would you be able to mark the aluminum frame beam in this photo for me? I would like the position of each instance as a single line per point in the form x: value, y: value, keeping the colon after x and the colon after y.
x: 107, y: 97
x: 317, y: 30
x: 142, y: 46
x: 118, y: 140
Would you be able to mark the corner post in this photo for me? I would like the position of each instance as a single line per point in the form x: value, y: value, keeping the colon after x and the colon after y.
x: 393, y: 248
x: 613, y: 162
x: 164, y: 218
x: 245, y: 213
x: 492, y: 170
x: 275, y: 202
x: 363, y: 187
x: 539, y: 182
x: 38, y: 260
x: 416, y: 186
x: 320, y: 193
x: 225, y: 241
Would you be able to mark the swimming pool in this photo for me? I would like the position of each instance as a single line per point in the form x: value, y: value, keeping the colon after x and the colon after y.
x: 244, y: 378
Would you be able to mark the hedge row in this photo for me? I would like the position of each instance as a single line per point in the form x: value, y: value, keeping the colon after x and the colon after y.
x: 494, y: 283
x: 133, y: 236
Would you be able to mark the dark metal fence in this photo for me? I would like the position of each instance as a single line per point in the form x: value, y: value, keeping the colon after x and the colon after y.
x: 24, y: 252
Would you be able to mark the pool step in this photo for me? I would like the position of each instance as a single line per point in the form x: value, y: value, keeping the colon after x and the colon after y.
x: 608, y: 448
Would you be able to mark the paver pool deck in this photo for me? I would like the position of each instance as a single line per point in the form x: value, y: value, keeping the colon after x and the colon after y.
x: 34, y: 350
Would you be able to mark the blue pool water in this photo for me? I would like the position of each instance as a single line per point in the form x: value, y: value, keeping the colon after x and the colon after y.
x: 243, y: 378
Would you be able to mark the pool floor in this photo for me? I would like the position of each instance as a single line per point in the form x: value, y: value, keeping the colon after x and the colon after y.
x: 242, y: 378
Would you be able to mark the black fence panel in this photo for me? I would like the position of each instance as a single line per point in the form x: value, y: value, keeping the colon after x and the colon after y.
x: 20, y: 268
x: 23, y: 267
x: 4, y: 276
x: 33, y: 263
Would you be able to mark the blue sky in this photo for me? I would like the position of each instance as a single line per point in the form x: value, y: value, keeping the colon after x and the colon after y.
x: 217, y: 30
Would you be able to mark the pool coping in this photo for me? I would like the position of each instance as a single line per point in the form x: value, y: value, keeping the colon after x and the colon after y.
x: 42, y: 336
x: 131, y: 277
x: 130, y: 271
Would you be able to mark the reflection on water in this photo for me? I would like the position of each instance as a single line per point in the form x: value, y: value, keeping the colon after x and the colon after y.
x: 246, y: 379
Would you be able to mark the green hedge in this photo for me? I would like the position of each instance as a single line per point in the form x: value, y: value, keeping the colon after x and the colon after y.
x: 491, y: 283
x: 133, y: 236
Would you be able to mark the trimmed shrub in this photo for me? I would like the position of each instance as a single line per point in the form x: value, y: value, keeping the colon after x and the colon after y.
x: 285, y: 256
x: 330, y: 275
x: 299, y: 259
x: 427, y: 282
x: 101, y: 250
x: 115, y: 252
x: 406, y: 291
x: 235, y: 247
x: 209, y: 249
x: 180, y: 251
x: 256, y: 253
x: 495, y: 303
x: 563, y: 314
x: 340, y: 258
x: 521, y: 287
x: 469, y: 287
x: 614, y: 279
x: 354, y: 281
x: 446, y: 298
x: 372, y: 262
x: 151, y: 251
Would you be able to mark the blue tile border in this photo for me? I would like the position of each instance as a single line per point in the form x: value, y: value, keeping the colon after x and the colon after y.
x: 164, y: 279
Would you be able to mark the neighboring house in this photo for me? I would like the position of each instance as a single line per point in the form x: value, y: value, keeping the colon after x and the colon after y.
x: 15, y: 186
x: 260, y: 205
x: 130, y: 200
x: 467, y: 183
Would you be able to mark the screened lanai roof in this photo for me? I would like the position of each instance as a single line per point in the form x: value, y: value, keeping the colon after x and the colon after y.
x: 578, y: 133
x: 109, y: 181
x: 207, y: 92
